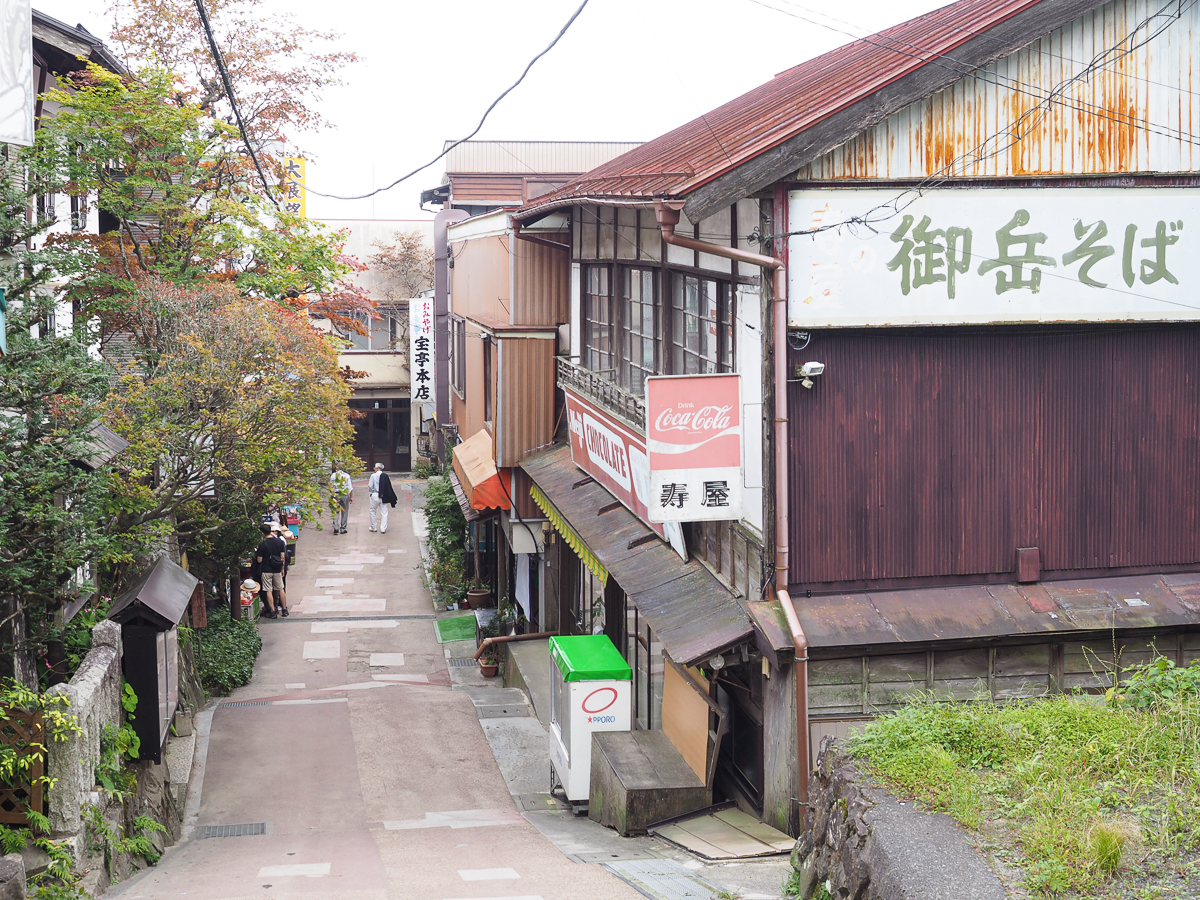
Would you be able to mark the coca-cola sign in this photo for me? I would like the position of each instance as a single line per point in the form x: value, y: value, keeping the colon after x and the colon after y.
x: 694, y: 440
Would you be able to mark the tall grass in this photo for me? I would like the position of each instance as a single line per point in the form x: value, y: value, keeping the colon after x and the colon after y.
x: 1088, y: 790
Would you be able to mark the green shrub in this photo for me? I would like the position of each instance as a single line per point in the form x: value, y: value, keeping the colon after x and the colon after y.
x: 424, y: 467
x: 225, y: 652
x: 1158, y: 680
x: 447, y: 537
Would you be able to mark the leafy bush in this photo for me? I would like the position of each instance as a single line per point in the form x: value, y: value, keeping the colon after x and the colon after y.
x: 447, y: 536
x: 225, y: 652
x: 1154, y: 682
x: 424, y: 467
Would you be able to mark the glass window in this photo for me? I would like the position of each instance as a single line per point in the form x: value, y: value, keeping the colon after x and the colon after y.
x: 487, y: 379
x: 458, y: 355
x: 599, y: 322
x: 638, y: 329
x: 702, y: 339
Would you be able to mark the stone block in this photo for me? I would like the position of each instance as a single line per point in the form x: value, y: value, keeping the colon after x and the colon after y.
x: 12, y: 877
x: 35, y: 860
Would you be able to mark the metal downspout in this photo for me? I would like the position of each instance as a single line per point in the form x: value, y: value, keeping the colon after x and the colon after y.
x: 441, y: 321
x: 801, y: 676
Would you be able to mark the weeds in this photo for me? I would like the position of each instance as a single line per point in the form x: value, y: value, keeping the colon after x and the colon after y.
x: 226, y: 651
x: 1078, y: 782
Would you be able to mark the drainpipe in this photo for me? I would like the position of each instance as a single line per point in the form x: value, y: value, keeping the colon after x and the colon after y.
x: 667, y: 213
x: 510, y: 638
x: 800, y: 672
x: 441, y: 322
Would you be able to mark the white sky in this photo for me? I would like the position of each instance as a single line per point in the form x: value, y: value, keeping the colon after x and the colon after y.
x: 627, y: 70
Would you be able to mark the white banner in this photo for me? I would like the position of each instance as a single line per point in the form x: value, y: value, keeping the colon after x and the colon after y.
x: 16, y: 72
x: 420, y: 351
x: 994, y: 256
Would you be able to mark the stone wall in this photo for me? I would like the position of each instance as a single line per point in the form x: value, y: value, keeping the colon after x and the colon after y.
x: 95, y: 696
x: 865, y: 844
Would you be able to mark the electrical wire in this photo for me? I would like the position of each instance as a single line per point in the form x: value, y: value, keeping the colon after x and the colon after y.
x: 219, y: 59
x: 451, y: 146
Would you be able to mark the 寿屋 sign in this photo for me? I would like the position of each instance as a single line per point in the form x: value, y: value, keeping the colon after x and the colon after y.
x: 694, y: 437
x: 995, y: 255
x: 420, y: 351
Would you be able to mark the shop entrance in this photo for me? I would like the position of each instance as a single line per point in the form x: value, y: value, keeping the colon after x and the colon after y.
x: 383, y: 433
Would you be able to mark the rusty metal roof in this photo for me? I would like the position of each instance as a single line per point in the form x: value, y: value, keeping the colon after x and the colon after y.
x: 994, y: 611
x: 683, y: 160
x: 691, y: 613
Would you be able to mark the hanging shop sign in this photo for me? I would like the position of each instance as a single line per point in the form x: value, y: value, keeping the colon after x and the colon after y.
x: 420, y: 352
x: 962, y: 256
x: 16, y: 73
x: 694, y: 437
x: 295, y: 192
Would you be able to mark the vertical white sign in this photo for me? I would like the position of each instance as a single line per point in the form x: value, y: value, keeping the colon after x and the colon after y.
x: 16, y: 72
x: 420, y: 351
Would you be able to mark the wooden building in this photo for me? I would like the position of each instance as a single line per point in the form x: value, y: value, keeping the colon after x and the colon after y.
x: 968, y: 240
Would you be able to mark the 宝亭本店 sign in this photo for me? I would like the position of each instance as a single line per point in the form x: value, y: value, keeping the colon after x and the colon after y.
x: 420, y: 351
x: 16, y: 73
x: 694, y: 435
x: 1001, y: 255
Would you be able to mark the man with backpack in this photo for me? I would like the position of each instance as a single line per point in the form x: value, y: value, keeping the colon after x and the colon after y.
x: 270, y: 556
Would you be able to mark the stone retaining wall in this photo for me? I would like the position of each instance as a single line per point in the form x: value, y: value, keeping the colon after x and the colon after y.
x: 865, y: 844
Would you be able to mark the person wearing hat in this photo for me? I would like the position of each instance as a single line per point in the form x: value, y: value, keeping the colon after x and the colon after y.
x: 382, y: 496
x: 271, y: 556
x: 342, y: 489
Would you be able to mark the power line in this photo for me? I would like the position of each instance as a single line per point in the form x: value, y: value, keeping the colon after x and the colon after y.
x: 219, y: 59
x: 486, y: 113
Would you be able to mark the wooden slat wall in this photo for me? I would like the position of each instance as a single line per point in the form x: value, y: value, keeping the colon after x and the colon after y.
x: 525, y: 412
x: 930, y: 453
x: 487, y: 189
x: 542, y: 282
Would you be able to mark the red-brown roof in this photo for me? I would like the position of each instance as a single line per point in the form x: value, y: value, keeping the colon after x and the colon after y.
x: 694, y: 154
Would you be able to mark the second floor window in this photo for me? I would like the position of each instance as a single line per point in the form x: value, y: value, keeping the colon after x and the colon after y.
x: 458, y: 355
x: 634, y: 327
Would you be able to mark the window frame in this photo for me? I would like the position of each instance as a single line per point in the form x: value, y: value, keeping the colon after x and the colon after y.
x: 458, y: 353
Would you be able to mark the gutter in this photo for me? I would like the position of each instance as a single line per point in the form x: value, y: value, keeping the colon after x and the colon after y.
x: 668, y: 218
x: 800, y: 673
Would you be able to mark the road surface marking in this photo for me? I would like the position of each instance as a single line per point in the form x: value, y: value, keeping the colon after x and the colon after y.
x: 331, y: 582
x: 295, y: 686
x: 486, y: 874
x: 307, y: 870
x: 339, y: 568
x: 343, y: 627
x: 403, y: 679
x: 397, y: 551
x: 463, y: 818
x: 387, y: 659
x: 322, y: 649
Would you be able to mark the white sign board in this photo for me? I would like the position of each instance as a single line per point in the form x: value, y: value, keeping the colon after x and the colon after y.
x: 988, y: 256
x: 694, y: 439
x: 16, y: 72
x: 420, y: 350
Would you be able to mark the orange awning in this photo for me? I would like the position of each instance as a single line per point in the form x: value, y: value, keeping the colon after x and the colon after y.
x: 476, y: 470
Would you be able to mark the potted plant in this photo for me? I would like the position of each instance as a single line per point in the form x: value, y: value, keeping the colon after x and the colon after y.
x: 478, y: 596
x: 489, y: 665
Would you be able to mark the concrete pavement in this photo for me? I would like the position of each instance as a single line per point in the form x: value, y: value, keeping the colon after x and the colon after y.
x: 369, y: 777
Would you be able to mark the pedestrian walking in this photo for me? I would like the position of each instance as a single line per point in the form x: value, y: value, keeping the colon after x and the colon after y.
x: 270, y: 555
x: 343, y: 494
x: 382, y: 497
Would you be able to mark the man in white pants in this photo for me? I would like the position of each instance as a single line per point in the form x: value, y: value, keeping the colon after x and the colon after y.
x: 382, y: 497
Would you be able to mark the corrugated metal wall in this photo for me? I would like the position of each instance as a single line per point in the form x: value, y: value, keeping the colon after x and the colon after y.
x: 479, y: 282
x: 930, y: 453
x: 526, y: 397
x: 1138, y: 114
x: 542, y: 283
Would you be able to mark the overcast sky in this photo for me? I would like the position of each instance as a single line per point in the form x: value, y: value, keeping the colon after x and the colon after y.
x: 627, y: 70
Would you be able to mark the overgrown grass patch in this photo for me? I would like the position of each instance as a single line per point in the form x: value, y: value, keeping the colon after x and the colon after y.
x: 1094, y: 792
x: 225, y: 652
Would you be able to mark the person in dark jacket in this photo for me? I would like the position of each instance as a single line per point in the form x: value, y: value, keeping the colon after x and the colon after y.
x: 382, y: 496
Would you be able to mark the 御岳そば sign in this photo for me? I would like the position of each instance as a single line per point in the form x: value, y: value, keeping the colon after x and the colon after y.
x: 694, y: 439
x: 975, y: 255
x: 420, y: 352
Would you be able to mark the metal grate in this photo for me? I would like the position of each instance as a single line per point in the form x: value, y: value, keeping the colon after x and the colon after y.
x: 663, y: 879
x: 463, y: 663
x: 226, y: 831
x: 236, y: 703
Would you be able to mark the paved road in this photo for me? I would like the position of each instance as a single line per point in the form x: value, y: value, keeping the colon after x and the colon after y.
x: 374, y: 778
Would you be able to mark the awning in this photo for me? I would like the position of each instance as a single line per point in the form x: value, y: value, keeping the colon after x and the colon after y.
x: 692, y: 614
x: 463, y: 503
x: 927, y: 615
x: 476, y: 470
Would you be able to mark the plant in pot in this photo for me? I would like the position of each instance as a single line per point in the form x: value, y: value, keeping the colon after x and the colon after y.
x: 479, y: 596
x: 489, y: 664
